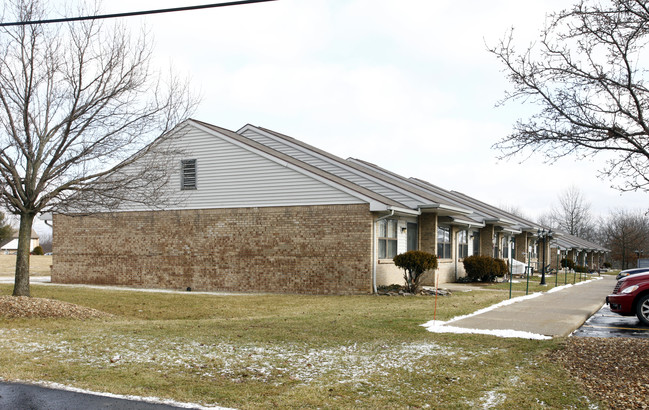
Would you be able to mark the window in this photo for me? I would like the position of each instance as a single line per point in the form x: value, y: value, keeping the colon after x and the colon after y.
x: 188, y: 174
x: 476, y: 243
x: 505, y: 247
x: 412, y: 237
x: 444, y: 242
x: 462, y: 244
x: 387, y: 238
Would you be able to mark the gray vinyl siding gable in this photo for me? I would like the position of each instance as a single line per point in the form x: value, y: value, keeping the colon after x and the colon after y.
x: 230, y: 176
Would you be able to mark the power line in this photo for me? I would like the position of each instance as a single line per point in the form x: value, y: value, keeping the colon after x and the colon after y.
x: 133, y: 13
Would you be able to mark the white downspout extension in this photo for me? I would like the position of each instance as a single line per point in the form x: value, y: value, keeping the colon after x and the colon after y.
x: 375, y: 259
x: 457, y: 251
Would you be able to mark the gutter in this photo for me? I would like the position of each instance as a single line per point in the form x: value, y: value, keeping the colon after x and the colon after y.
x: 405, y: 211
x: 457, y: 249
x: 445, y: 207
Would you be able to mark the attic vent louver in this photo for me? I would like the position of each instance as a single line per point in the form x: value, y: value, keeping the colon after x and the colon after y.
x: 188, y: 174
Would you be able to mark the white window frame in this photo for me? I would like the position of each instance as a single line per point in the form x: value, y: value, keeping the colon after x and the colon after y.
x: 387, y: 235
x: 462, y: 244
x: 444, y: 246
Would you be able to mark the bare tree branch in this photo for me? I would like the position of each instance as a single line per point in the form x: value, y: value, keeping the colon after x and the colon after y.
x: 79, y: 105
x: 587, y: 78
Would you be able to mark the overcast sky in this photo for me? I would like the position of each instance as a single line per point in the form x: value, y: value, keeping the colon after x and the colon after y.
x: 405, y: 84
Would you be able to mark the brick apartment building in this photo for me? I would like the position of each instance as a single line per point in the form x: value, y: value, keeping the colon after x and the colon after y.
x: 258, y: 211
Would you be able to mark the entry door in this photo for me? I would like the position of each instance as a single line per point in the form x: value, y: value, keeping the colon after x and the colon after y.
x: 413, y: 237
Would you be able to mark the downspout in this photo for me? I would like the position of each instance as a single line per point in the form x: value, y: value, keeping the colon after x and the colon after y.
x: 374, y: 256
x: 457, y: 250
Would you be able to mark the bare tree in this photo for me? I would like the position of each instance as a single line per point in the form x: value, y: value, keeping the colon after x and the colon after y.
x: 624, y: 233
x: 586, y: 76
x: 79, y: 103
x: 546, y: 220
x: 572, y: 215
x: 513, y: 209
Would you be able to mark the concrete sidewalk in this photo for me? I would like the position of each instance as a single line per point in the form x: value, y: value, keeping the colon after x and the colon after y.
x: 551, y: 314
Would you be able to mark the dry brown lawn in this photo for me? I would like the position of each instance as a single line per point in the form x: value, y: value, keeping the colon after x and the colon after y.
x: 39, y: 265
x: 279, y: 351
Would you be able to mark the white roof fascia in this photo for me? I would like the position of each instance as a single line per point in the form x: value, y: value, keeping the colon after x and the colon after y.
x: 374, y: 204
x: 331, y: 161
x: 465, y: 222
x: 512, y: 230
x: 444, y: 207
x: 405, y: 211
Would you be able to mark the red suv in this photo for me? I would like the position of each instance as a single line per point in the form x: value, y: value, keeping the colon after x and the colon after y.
x: 631, y: 297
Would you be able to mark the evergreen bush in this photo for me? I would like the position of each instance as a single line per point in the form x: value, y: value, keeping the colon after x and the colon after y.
x: 567, y: 263
x: 414, y: 264
x: 484, y: 268
x: 37, y: 251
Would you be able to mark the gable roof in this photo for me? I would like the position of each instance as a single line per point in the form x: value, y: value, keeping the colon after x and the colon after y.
x: 409, y: 196
x: 383, y: 189
x: 376, y: 200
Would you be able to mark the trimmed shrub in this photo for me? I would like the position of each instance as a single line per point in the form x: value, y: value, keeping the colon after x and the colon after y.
x: 581, y: 269
x: 414, y: 264
x: 567, y: 263
x: 37, y: 251
x: 608, y: 265
x: 502, y: 267
x: 484, y: 268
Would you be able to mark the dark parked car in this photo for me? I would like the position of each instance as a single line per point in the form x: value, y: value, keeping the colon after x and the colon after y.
x: 628, y: 272
x: 631, y: 297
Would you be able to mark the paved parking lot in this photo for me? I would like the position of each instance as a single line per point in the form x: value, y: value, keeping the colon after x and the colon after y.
x: 20, y: 396
x: 605, y: 323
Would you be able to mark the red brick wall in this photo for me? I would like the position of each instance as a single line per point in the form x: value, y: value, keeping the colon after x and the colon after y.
x: 309, y: 249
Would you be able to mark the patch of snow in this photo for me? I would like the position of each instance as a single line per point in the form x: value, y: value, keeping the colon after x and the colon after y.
x: 492, y: 400
x: 440, y: 327
x: 562, y: 287
x: 272, y: 363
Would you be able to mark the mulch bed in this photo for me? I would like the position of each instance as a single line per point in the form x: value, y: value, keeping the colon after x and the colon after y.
x: 27, y: 307
x: 615, y: 370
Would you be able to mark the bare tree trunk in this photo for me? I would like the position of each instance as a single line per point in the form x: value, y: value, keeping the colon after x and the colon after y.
x: 21, y: 284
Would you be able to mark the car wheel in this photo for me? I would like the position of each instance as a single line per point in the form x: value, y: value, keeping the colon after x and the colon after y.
x: 642, y: 309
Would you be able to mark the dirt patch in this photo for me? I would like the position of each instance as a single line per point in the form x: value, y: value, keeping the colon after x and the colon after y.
x: 27, y: 307
x: 616, y: 370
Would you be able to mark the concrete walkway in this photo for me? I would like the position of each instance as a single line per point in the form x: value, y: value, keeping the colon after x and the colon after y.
x: 551, y: 314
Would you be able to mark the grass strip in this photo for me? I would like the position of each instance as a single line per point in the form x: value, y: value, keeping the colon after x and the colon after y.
x: 259, y: 351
